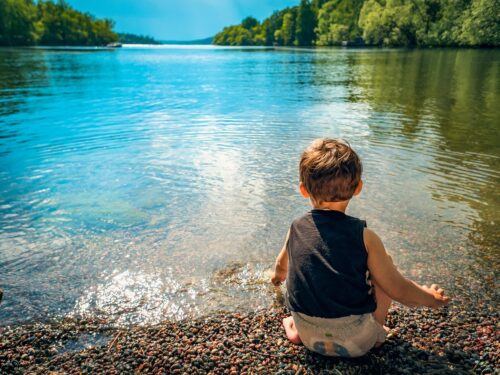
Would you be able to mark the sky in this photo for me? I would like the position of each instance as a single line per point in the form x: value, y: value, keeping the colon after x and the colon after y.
x: 178, y: 19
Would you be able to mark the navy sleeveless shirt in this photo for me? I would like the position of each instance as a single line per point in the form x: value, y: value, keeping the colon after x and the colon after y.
x: 327, y: 266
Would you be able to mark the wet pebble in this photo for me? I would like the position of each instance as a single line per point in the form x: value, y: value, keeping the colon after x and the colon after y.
x: 421, y: 341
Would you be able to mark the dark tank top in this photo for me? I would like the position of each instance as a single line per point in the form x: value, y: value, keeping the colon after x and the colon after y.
x: 327, y: 267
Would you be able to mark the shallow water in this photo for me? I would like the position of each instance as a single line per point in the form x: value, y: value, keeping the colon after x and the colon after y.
x: 158, y: 183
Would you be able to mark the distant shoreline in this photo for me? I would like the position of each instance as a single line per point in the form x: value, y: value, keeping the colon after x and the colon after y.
x: 218, y: 46
x: 204, y: 41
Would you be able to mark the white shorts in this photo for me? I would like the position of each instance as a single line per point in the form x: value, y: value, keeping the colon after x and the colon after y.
x: 350, y: 336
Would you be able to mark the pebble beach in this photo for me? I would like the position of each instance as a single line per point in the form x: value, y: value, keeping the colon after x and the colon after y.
x: 460, y: 339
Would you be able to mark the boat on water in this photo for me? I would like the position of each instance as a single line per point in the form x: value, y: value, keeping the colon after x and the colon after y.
x: 114, y: 45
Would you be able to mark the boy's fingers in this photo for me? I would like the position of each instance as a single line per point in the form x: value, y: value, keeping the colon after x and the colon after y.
x: 276, y: 282
x: 440, y: 291
x: 434, y: 286
x: 446, y: 300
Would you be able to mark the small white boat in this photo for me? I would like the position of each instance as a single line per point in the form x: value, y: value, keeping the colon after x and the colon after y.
x: 114, y: 45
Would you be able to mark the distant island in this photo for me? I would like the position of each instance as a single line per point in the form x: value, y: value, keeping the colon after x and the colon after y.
x: 398, y: 23
x: 189, y: 42
x: 127, y: 38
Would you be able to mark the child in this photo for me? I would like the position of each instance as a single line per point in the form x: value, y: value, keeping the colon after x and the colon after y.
x: 340, y: 281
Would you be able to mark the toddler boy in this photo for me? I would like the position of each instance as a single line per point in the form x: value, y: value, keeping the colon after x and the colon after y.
x: 340, y: 280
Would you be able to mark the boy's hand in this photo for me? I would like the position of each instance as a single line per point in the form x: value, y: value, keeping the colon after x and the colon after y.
x: 281, y: 266
x: 277, y: 278
x: 439, y: 298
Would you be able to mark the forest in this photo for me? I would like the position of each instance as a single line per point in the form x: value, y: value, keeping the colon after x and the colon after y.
x: 26, y: 23
x: 392, y: 23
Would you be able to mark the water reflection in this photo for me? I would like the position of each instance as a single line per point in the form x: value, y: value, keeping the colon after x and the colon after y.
x: 441, y: 104
x: 147, y: 184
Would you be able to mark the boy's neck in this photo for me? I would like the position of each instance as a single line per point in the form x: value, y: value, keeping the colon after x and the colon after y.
x: 332, y: 206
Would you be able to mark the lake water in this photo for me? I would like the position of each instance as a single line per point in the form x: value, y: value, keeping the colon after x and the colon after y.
x: 144, y: 184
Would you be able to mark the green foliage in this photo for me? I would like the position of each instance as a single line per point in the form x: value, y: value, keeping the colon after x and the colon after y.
x: 481, y: 26
x: 60, y: 24
x: 338, y: 22
x: 128, y: 38
x: 249, y: 33
x: 305, y: 24
x: 431, y: 22
x: 287, y: 31
x: 444, y: 20
x: 22, y: 22
x: 17, y: 23
x: 272, y: 24
x: 249, y: 23
x: 317, y: 4
x: 379, y: 22
x: 234, y: 36
x: 392, y: 24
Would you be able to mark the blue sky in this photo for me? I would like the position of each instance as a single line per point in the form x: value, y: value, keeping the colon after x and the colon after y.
x: 178, y: 19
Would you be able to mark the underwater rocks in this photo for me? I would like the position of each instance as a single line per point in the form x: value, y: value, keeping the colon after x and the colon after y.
x: 459, y: 339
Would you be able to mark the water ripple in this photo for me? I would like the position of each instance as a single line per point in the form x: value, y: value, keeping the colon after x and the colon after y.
x: 154, y: 183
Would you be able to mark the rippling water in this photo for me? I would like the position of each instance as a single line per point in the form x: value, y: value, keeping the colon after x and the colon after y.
x: 157, y: 183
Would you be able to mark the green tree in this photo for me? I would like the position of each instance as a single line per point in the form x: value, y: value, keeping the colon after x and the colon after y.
x: 258, y: 35
x: 60, y: 24
x: 449, y: 28
x: 392, y: 24
x: 250, y: 32
x: 249, y: 23
x: 305, y: 24
x: 317, y: 4
x: 287, y: 31
x: 17, y: 23
x: 338, y: 21
x: 272, y: 25
x: 481, y: 26
x: 235, y: 35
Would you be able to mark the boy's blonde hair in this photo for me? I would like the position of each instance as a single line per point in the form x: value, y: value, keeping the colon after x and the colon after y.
x: 330, y: 170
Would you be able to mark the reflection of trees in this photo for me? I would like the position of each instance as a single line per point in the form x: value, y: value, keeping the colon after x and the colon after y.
x: 444, y: 104
x: 19, y: 72
x: 22, y: 74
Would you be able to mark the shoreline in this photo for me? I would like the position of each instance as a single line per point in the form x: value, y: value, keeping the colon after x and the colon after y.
x: 256, y: 47
x: 459, y: 339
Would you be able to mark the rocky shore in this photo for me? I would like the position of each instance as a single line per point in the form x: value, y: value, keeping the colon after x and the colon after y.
x: 456, y: 340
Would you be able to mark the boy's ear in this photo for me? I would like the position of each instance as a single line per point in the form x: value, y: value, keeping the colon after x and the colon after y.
x: 303, y: 190
x: 358, y: 188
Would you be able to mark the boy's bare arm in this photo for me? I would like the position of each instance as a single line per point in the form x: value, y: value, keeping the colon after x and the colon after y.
x: 281, y: 265
x: 385, y: 274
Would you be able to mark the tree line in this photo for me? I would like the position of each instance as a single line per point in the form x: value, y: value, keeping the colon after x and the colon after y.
x: 406, y: 23
x: 128, y: 38
x: 26, y: 22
